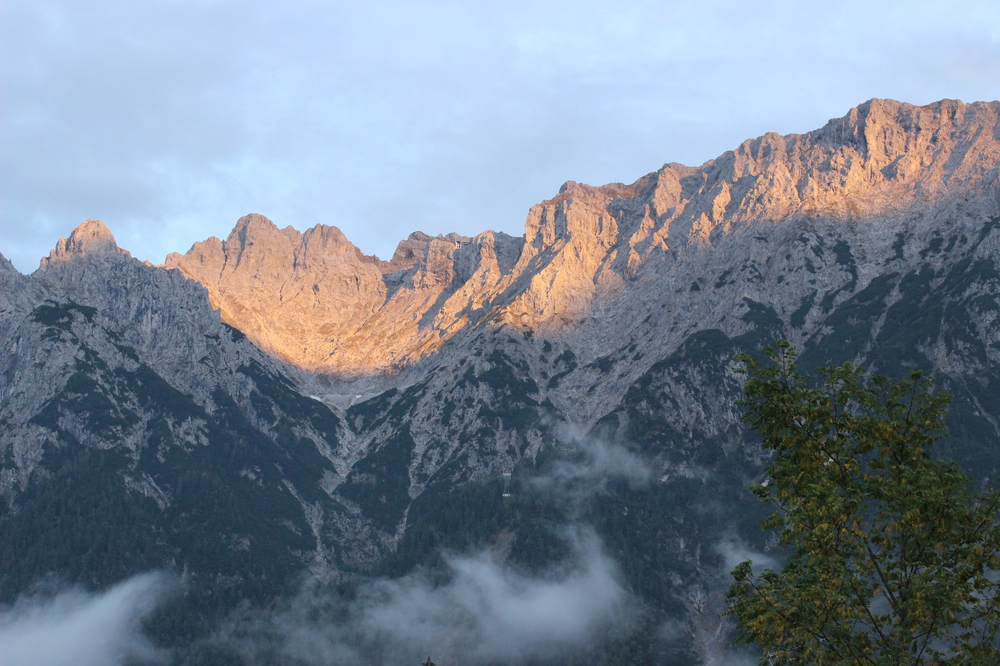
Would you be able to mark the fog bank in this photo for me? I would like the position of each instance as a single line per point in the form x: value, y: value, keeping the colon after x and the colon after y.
x: 74, y: 628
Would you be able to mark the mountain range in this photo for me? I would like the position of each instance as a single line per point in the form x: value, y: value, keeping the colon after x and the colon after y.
x: 278, y: 406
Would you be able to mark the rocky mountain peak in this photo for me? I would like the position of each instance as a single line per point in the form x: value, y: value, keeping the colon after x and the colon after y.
x: 90, y: 238
x: 882, y: 158
x: 254, y: 222
x: 418, y: 246
x: 321, y: 304
x: 317, y: 243
x: 256, y: 228
x: 319, y: 281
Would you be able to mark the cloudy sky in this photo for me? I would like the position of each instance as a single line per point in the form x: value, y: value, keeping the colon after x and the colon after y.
x: 169, y: 119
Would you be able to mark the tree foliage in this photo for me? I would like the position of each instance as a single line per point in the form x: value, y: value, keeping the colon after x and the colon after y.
x: 893, y: 553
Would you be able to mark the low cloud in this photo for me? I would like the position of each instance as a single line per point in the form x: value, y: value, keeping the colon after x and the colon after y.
x: 478, y: 610
x: 481, y: 611
x: 73, y: 628
x: 485, y: 614
x: 588, y: 464
x: 734, y: 551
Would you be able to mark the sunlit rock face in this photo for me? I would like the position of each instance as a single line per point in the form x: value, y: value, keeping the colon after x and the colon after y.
x: 317, y: 302
x: 92, y: 237
x: 285, y: 289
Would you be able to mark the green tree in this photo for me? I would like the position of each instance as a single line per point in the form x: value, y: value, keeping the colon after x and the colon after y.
x: 893, y: 554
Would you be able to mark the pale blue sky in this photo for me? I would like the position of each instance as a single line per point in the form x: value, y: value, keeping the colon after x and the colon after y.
x: 169, y: 119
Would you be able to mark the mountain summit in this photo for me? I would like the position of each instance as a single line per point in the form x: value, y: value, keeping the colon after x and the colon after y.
x: 92, y: 237
x: 317, y: 302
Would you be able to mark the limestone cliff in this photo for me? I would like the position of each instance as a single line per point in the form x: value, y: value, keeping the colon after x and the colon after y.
x: 320, y: 304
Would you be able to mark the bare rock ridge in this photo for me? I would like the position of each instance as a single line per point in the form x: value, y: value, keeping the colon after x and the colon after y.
x: 91, y: 237
x: 18, y: 294
x: 316, y: 301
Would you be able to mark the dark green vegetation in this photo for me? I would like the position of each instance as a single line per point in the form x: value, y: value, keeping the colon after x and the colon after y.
x: 893, y: 552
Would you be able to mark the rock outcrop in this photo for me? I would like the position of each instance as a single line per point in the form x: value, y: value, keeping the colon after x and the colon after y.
x: 318, y: 303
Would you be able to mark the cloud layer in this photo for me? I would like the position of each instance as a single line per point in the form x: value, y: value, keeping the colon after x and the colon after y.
x: 485, y: 614
x: 481, y: 610
x: 586, y: 466
x: 170, y: 119
x: 78, y: 629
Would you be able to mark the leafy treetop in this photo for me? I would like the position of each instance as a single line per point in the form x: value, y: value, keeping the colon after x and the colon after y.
x: 893, y: 553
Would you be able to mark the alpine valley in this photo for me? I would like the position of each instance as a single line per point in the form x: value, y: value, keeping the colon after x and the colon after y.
x: 276, y: 416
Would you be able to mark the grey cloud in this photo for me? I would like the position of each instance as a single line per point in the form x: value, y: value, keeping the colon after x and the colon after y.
x: 586, y: 466
x: 73, y: 628
x: 486, y: 613
x: 734, y: 552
